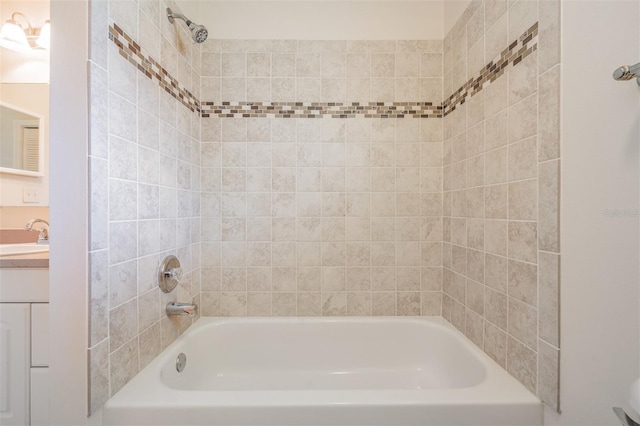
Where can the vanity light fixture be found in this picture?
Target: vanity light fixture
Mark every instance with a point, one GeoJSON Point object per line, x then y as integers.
{"type": "Point", "coordinates": [14, 37]}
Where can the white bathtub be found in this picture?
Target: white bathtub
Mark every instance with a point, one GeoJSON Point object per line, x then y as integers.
{"type": "Point", "coordinates": [323, 371]}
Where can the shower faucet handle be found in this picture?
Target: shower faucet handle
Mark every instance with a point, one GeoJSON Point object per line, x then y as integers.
{"type": "Point", "coordinates": [174, 274]}
{"type": "Point", "coordinates": [169, 273]}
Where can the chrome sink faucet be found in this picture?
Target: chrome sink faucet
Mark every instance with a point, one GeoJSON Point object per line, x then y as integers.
{"type": "Point", "coordinates": [43, 237]}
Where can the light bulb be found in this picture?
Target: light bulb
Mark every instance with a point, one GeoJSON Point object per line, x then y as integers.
{"type": "Point", "coordinates": [44, 39]}
{"type": "Point", "coordinates": [12, 37]}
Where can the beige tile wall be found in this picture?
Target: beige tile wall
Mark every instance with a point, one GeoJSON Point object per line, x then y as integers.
{"type": "Point", "coordinates": [501, 192]}
{"type": "Point", "coordinates": [321, 216]}
{"type": "Point", "coordinates": [144, 167]}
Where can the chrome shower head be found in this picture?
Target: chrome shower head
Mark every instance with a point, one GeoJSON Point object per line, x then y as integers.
{"type": "Point", "coordinates": [199, 33]}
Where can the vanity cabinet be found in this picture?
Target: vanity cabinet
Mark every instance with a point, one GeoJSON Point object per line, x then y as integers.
{"type": "Point", "coordinates": [24, 347]}
{"type": "Point", "coordinates": [14, 363]}
{"type": "Point", "coordinates": [39, 371]}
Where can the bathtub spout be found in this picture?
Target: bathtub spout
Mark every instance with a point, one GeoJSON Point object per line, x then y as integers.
{"type": "Point", "coordinates": [175, 308]}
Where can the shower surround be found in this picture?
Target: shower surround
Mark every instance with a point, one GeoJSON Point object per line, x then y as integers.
{"type": "Point", "coordinates": [307, 178]}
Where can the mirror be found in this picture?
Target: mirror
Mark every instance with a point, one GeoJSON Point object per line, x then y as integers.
{"type": "Point", "coordinates": [21, 141]}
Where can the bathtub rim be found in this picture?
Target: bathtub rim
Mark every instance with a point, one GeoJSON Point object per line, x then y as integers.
{"type": "Point", "coordinates": [146, 389]}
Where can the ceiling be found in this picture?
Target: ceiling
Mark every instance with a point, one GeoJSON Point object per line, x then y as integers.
{"type": "Point", "coordinates": [326, 19]}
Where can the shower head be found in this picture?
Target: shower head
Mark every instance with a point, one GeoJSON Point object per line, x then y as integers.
{"type": "Point", "coordinates": [199, 33]}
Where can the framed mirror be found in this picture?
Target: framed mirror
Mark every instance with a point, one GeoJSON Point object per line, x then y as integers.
{"type": "Point", "coordinates": [21, 141]}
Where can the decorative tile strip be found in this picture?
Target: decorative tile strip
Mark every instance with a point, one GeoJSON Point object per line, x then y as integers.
{"type": "Point", "coordinates": [131, 51]}
{"type": "Point", "coordinates": [321, 110]}
{"type": "Point", "coordinates": [526, 44]}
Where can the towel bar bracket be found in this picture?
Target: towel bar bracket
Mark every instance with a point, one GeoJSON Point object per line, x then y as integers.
{"type": "Point", "coordinates": [627, 72]}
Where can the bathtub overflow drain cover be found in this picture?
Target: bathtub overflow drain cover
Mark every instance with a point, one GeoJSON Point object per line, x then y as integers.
{"type": "Point", "coordinates": [181, 362]}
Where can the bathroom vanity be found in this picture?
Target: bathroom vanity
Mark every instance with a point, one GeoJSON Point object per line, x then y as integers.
{"type": "Point", "coordinates": [24, 339]}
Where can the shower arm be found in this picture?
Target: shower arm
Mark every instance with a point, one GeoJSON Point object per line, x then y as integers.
{"type": "Point", "coordinates": [173, 16]}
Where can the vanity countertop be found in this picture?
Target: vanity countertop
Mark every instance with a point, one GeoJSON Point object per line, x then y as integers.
{"type": "Point", "coordinates": [34, 260]}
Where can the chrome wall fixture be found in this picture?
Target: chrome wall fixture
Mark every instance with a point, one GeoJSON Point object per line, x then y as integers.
{"type": "Point", "coordinates": [169, 276]}
{"type": "Point", "coordinates": [627, 72]}
{"type": "Point", "coordinates": [181, 362]}
{"type": "Point", "coordinates": [169, 273]}
{"type": "Point", "coordinates": [14, 37]}
{"type": "Point", "coordinates": [177, 308]}
{"type": "Point", "coordinates": [199, 33]}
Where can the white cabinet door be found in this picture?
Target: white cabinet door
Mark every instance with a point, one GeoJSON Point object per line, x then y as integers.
{"type": "Point", "coordinates": [39, 334]}
{"type": "Point", "coordinates": [39, 396]}
{"type": "Point", "coordinates": [14, 364]}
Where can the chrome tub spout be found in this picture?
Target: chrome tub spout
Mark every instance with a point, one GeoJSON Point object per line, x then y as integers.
{"type": "Point", "coordinates": [175, 308]}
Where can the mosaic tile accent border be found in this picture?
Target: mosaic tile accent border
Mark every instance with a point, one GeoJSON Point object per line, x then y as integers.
{"type": "Point", "coordinates": [131, 51]}
{"type": "Point", "coordinates": [525, 45]}
{"type": "Point", "coordinates": [519, 49]}
{"type": "Point", "coordinates": [320, 110]}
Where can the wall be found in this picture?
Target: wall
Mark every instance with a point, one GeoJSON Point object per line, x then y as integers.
{"type": "Point", "coordinates": [33, 98]}
{"type": "Point", "coordinates": [334, 215]}
{"type": "Point", "coordinates": [501, 186]}
{"type": "Point", "coordinates": [600, 290]}
{"type": "Point", "coordinates": [452, 11]}
{"type": "Point", "coordinates": [144, 178]}
{"type": "Point", "coordinates": [17, 217]}
{"type": "Point", "coordinates": [69, 194]}
{"type": "Point", "coordinates": [20, 67]}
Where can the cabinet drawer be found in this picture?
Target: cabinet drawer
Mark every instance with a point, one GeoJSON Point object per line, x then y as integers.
{"type": "Point", "coordinates": [20, 285]}
{"type": "Point", "coordinates": [39, 334]}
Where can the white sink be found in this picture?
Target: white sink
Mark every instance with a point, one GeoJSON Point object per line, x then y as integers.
{"type": "Point", "coordinates": [26, 248]}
